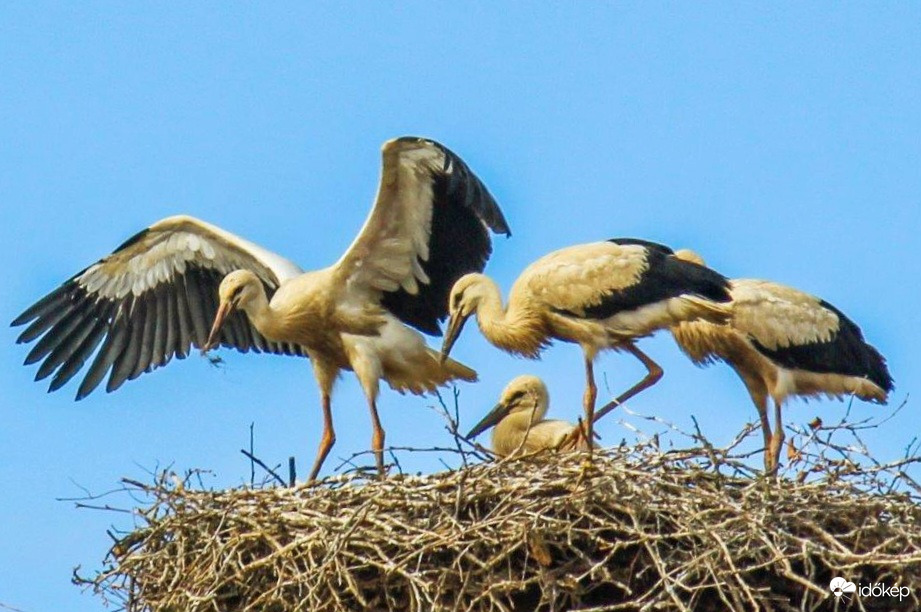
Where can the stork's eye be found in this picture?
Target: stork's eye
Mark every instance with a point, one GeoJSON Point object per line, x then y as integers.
{"type": "Point", "coordinates": [455, 301]}
{"type": "Point", "coordinates": [517, 395]}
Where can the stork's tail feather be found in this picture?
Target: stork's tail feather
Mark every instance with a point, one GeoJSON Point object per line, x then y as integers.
{"type": "Point", "coordinates": [878, 371]}
{"type": "Point", "coordinates": [870, 390]}
{"type": "Point", "coordinates": [457, 370]}
{"type": "Point", "coordinates": [428, 373]}
{"type": "Point", "coordinates": [847, 354]}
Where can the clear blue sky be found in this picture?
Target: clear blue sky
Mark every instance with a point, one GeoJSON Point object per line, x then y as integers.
{"type": "Point", "coordinates": [781, 141]}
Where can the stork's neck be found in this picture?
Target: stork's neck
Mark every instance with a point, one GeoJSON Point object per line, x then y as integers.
{"type": "Point", "coordinates": [261, 314]}
{"type": "Point", "coordinates": [514, 328]}
{"type": "Point", "coordinates": [515, 424]}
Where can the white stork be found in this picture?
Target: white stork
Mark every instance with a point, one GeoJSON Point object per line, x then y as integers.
{"type": "Point", "coordinates": [519, 420]}
{"type": "Point", "coordinates": [155, 295]}
{"type": "Point", "coordinates": [601, 295]}
{"type": "Point", "coordinates": [783, 342]}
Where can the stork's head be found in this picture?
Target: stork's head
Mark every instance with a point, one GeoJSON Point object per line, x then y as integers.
{"type": "Point", "coordinates": [525, 394]}
{"type": "Point", "coordinates": [690, 256]}
{"type": "Point", "coordinates": [407, 143]}
{"type": "Point", "coordinates": [463, 301]}
{"type": "Point", "coordinates": [238, 290]}
{"type": "Point", "coordinates": [410, 153]}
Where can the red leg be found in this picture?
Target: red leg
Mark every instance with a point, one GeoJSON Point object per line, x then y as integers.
{"type": "Point", "coordinates": [653, 375]}
{"type": "Point", "coordinates": [588, 402]}
{"type": "Point", "coordinates": [761, 405]}
{"type": "Point", "coordinates": [326, 441]}
{"type": "Point", "coordinates": [776, 440]}
{"type": "Point", "coordinates": [377, 439]}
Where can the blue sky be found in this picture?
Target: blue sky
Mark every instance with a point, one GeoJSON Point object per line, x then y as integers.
{"type": "Point", "coordinates": [781, 141]}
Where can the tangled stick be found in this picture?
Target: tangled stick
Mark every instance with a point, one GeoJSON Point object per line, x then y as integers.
{"type": "Point", "coordinates": [682, 529]}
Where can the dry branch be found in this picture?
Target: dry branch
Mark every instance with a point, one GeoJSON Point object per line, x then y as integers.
{"type": "Point", "coordinates": [647, 529]}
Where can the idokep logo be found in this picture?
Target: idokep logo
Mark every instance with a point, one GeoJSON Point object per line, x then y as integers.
{"type": "Point", "coordinates": [841, 587]}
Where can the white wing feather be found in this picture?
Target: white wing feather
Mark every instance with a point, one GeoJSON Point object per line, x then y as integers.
{"type": "Point", "coordinates": [386, 253]}
{"type": "Point", "coordinates": [168, 246]}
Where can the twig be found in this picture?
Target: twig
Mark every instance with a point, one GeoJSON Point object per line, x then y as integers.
{"type": "Point", "coordinates": [269, 470]}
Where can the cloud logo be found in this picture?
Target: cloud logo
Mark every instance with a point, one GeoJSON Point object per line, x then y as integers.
{"type": "Point", "coordinates": [839, 586]}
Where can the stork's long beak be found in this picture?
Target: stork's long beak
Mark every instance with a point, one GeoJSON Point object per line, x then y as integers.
{"type": "Point", "coordinates": [455, 325]}
{"type": "Point", "coordinates": [494, 416]}
{"type": "Point", "coordinates": [225, 309]}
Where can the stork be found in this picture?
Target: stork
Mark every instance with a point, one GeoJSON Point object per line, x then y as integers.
{"type": "Point", "coordinates": [519, 420]}
{"type": "Point", "coordinates": [152, 298]}
{"type": "Point", "coordinates": [600, 295]}
{"type": "Point", "coordinates": [783, 342]}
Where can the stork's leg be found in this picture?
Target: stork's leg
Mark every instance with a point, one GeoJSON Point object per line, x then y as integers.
{"type": "Point", "coordinates": [377, 438]}
{"type": "Point", "coordinates": [326, 441]}
{"type": "Point", "coordinates": [653, 375]}
{"type": "Point", "coordinates": [761, 404]}
{"type": "Point", "coordinates": [368, 368]}
{"type": "Point", "coordinates": [776, 440]}
{"type": "Point", "coordinates": [588, 401]}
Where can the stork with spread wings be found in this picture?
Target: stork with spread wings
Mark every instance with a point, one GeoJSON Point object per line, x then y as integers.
{"type": "Point", "coordinates": [154, 296]}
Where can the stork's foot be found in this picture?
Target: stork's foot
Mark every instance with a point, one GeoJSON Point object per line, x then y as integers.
{"type": "Point", "coordinates": [588, 469]}
{"type": "Point", "coordinates": [381, 468]}
{"type": "Point", "coordinates": [772, 454]}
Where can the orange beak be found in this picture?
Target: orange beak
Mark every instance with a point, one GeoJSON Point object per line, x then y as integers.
{"type": "Point", "coordinates": [225, 309]}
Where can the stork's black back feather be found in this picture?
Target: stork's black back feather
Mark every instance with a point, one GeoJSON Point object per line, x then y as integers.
{"type": "Point", "coordinates": [652, 246]}
{"type": "Point", "coordinates": [463, 213]}
{"type": "Point", "coordinates": [846, 353]}
{"type": "Point", "coordinates": [665, 277]}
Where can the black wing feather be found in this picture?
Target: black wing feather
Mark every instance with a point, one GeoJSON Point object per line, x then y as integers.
{"type": "Point", "coordinates": [112, 347]}
{"type": "Point", "coordinates": [65, 347]}
{"type": "Point", "coordinates": [845, 353]}
{"type": "Point", "coordinates": [192, 281]}
{"type": "Point", "coordinates": [652, 246]}
{"type": "Point", "coordinates": [172, 329]}
{"type": "Point", "coordinates": [147, 335]}
{"type": "Point", "coordinates": [185, 323]}
{"type": "Point", "coordinates": [124, 363]}
{"type": "Point", "coordinates": [137, 333]}
{"type": "Point", "coordinates": [79, 356]}
{"type": "Point", "coordinates": [158, 355]}
{"type": "Point", "coordinates": [48, 305]}
{"type": "Point", "coordinates": [666, 277]}
{"type": "Point", "coordinates": [463, 213]}
{"type": "Point", "coordinates": [59, 333]}
{"type": "Point", "coordinates": [41, 324]}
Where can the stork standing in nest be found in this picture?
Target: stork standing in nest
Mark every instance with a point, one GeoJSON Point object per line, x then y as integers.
{"type": "Point", "coordinates": [783, 342]}
{"type": "Point", "coordinates": [601, 295]}
{"type": "Point", "coordinates": [153, 298]}
{"type": "Point", "coordinates": [520, 424]}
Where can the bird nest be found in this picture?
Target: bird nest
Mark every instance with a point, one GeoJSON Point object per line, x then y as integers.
{"type": "Point", "coordinates": [646, 528]}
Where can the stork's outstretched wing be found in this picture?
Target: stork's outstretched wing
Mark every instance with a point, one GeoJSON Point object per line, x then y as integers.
{"type": "Point", "coordinates": [428, 227]}
{"type": "Point", "coordinates": [152, 298]}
